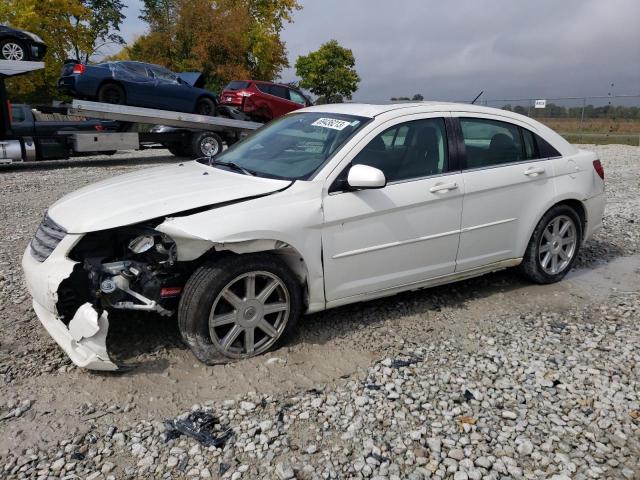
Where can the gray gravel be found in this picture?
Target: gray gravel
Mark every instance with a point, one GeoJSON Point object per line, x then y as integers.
{"type": "Point", "coordinates": [487, 378]}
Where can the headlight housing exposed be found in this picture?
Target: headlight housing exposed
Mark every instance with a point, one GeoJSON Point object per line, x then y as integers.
{"type": "Point", "coordinates": [142, 243]}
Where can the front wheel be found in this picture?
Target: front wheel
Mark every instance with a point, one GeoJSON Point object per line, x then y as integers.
{"type": "Point", "coordinates": [554, 245]}
{"type": "Point", "coordinates": [12, 50]}
{"type": "Point", "coordinates": [239, 307]}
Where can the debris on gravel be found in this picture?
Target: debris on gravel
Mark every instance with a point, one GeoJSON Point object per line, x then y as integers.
{"type": "Point", "coordinates": [489, 378]}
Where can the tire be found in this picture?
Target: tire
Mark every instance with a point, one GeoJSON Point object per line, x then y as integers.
{"type": "Point", "coordinates": [206, 106]}
{"type": "Point", "coordinates": [111, 93]}
{"type": "Point", "coordinates": [231, 139]}
{"type": "Point", "coordinates": [12, 50]}
{"type": "Point", "coordinates": [178, 150]}
{"type": "Point", "coordinates": [203, 299]}
{"type": "Point", "coordinates": [206, 144]}
{"type": "Point", "coordinates": [548, 245]}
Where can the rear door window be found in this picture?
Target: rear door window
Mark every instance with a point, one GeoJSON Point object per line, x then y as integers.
{"type": "Point", "coordinates": [137, 69]}
{"type": "Point", "coordinates": [530, 147]}
{"type": "Point", "coordinates": [280, 91]}
{"type": "Point", "coordinates": [165, 75]}
{"type": "Point", "coordinates": [490, 142]}
{"type": "Point", "coordinates": [297, 97]}
{"type": "Point", "coordinates": [264, 88]}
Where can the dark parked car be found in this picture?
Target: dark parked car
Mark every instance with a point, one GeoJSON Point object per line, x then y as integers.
{"type": "Point", "coordinates": [20, 45]}
{"type": "Point", "coordinates": [138, 84]}
{"type": "Point", "coordinates": [264, 101]}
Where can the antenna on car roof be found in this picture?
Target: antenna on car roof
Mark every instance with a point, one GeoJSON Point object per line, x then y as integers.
{"type": "Point", "coordinates": [474, 100]}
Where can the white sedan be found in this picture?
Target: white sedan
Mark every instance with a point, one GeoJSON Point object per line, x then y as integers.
{"type": "Point", "coordinates": [326, 206]}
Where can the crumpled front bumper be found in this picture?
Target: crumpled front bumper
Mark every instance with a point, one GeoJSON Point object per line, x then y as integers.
{"type": "Point", "coordinates": [84, 338]}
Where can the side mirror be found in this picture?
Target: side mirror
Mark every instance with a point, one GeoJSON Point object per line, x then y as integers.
{"type": "Point", "coordinates": [364, 176]}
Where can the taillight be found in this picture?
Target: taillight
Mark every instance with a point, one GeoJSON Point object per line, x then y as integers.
{"type": "Point", "coordinates": [78, 68]}
{"type": "Point", "coordinates": [597, 166]}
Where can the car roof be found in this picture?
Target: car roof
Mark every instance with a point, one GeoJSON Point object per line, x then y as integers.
{"type": "Point", "coordinates": [398, 109]}
{"type": "Point", "coordinates": [373, 110]}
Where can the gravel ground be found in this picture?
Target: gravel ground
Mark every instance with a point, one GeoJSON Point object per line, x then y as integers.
{"type": "Point", "coordinates": [487, 378]}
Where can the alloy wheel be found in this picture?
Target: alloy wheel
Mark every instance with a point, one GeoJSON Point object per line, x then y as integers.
{"type": "Point", "coordinates": [249, 314]}
{"type": "Point", "coordinates": [209, 146]}
{"type": "Point", "coordinates": [12, 51]}
{"type": "Point", "coordinates": [558, 245]}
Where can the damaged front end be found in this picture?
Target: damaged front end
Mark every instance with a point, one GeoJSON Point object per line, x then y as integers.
{"type": "Point", "coordinates": [130, 268]}
{"type": "Point", "coordinates": [127, 268]}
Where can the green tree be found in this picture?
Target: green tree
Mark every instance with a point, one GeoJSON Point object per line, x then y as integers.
{"type": "Point", "coordinates": [418, 97]}
{"type": "Point", "coordinates": [329, 72]}
{"type": "Point", "coordinates": [99, 30]}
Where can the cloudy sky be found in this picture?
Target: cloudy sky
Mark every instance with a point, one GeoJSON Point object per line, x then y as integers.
{"type": "Point", "coordinates": [454, 49]}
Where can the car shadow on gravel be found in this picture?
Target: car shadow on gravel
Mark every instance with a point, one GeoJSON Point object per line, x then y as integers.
{"type": "Point", "coordinates": [143, 341]}
{"type": "Point", "coordinates": [140, 342]}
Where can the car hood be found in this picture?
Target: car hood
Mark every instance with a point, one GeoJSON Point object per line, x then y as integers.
{"type": "Point", "coordinates": [195, 79]}
{"type": "Point", "coordinates": [155, 192]}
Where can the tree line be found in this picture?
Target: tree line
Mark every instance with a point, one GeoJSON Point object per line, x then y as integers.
{"type": "Point", "coordinates": [223, 39]}
{"type": "Point", "coordinates": [590, 111]}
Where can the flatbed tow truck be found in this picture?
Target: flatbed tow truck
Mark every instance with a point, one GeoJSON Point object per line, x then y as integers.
{"type": "Point", "coordinates": [188, 134]}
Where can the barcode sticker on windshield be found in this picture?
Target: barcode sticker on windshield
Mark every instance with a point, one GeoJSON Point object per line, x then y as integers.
{"type": "Point", "coordinates": [333, 123]}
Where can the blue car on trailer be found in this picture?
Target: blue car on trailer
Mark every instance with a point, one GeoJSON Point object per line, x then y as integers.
{"type": "Point", "coordinates": [138, 84]}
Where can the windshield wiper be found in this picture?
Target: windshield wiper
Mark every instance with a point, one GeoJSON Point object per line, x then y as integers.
{"type": "Point", "coordinates": [233, 166]}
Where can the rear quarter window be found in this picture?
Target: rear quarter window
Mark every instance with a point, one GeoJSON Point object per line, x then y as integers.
{"type": "Point", "coordinates": [545, 149]}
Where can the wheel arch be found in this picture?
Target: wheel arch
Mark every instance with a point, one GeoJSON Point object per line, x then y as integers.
{"type": "Point", "coordinates": [287, 253]}
{"type": "Point", "coordinates": [570, 201]}
{"type": "Point", "coordinates": [200, 249]}
{"type": "Point", "coordinates": [111, 81]}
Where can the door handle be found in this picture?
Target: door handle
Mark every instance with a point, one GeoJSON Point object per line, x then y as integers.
{"type": "Point", "coordinates": [443, 187]}
{"type": "Point", "coordinates": [534, 171]}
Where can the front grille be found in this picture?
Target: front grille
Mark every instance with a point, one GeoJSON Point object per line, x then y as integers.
{"type": "Point", "coordinates": [46, 239]}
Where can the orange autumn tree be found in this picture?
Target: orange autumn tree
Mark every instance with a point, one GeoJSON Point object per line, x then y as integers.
{"type": "Point", "coordinates": [224, 39]}
{"type": "Point", "coordinates": [52, 21]}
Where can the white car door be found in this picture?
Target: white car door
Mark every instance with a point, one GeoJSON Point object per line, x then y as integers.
{"type": "Point", "coordinates": [402, 234]}
{"type": "Point", "coordinates": [506, 186]}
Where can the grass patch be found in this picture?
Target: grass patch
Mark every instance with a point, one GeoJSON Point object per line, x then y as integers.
{"type": "Point", "coordinates": [599, 131]}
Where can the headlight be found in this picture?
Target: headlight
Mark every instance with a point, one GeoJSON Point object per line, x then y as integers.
{"type": "Point", "coordinates": [142, 243]}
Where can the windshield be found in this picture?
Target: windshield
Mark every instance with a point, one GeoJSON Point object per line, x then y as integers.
{"type": "Point", "coordinates": [294, 146]}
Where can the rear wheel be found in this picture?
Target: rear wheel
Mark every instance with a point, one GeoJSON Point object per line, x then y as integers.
{"type": "Point", "coordinates": [206, 106]}
{"type": "Point", "coordinates": [206, 144]}
{"type": "Point", "coordinates": [239, 307]}
{"type": "Point", "coordinates": [111, 93]}
{"type": "Point", "coordinates": [12, 50]}
{"type": "Point", "coordinates": [554, 246]}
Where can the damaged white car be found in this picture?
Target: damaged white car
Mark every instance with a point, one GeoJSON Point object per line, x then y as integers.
{"type": "Point", "coordinates": [326, 206]}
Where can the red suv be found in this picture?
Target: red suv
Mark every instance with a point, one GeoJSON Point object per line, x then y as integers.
{"type": "Point", "coordinates": [263, 101]}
